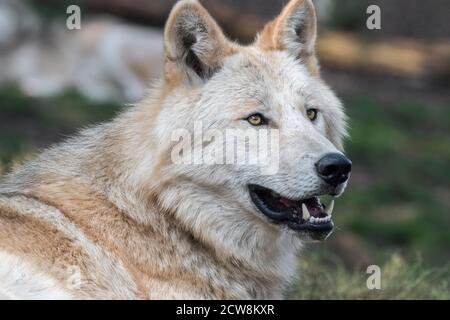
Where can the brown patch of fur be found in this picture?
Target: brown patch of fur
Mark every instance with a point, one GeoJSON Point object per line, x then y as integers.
{"type": "Point", "coordinates": [144, 251]}
{"type": "Point", "coordinates": [38, 241]}
{"type": "Point", "coordinates": [99, 220]}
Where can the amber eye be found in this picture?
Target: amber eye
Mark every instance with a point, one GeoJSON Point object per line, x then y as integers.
{"type": "Point", "coordinates": [312, 114]}
{"type": "Point", "coordinates": [257, 119]}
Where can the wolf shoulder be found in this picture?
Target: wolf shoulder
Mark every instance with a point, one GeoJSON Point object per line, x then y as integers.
{"type": "Point", "coordinates": [19, 277]}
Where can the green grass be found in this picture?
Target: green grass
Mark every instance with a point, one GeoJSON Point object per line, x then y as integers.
{"type": "Point", "coordinates": [397, 203]}
{"type": "Point", "coordinates": [321, 279]}
{"type": "Point", "coordinates": [401, 154]}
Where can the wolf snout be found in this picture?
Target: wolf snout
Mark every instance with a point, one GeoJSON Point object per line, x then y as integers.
{"type": "Point", "coordinates": [334, 168]}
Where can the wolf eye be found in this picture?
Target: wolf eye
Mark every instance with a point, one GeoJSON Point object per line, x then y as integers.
{"type": "Point", "coordinates": [257, 119]}
{"type": "Point", "coordinates": [312, 114]}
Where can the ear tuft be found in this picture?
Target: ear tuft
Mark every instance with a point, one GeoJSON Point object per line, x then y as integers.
{"type": "Point", "coordinates": [299, 30]}
{"type": "Point", "coordinates": [194, 43]}
{"type": "Point", "coordinates": [294, 31]}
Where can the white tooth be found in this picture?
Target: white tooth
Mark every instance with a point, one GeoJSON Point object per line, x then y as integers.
{"type": "Point", "coordinates": [305, 212]}
{"type": "Point", "coordinates": [329, 209]}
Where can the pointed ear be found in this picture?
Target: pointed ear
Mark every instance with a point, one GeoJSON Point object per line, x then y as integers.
{"type": "Point", "coordinates": [194, 44]}
{"type": "Point", "coordinates": [295, 31]}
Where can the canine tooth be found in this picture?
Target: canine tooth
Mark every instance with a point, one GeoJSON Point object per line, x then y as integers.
{"type": "Point", "coordinates": [305, 212]}
{"type": "Point", "coordinates": [329, 209]}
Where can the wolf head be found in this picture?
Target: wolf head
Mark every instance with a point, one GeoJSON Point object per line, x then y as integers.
{"type": "Point", "coordinates": [213, 86]}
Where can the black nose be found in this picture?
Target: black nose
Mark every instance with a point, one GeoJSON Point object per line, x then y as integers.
{"type": "Point", "coordinates": [334, 168]}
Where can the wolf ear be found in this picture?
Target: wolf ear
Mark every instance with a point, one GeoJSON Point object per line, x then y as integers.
{"type": "Point", "coordinates": [194, 43]}
{"type": "Point", "coordinates": [295, 31]}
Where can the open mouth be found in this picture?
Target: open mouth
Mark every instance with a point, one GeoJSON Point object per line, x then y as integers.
{"type": "Point", "coordinates": [308, 215]}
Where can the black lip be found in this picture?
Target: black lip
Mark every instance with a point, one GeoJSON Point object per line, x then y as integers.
{"type": "Point", "coordinates": [307, 226]}
{"type": "Point", "coordinates": [264, 208]}
{"type": "Point", "coordinates": [258, 194]}
{"type": "Point", "coordinates": [316, 232]}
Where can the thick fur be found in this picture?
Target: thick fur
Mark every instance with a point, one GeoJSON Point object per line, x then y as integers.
{"type": "Point", "coordinates": [110, 204]}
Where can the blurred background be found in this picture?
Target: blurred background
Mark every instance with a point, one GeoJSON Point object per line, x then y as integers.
{"type": "Point", "coordinates": [394, 83]}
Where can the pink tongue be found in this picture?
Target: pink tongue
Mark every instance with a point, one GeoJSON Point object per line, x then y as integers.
{"type": "Point", "coordinates": [315, 208]}
{"type": "Point", "coordinates": [288, 203]}
{"type": "Point", "coordinates": [313, 204]}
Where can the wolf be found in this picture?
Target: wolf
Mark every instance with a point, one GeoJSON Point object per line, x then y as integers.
{"type": "Point", "coordinates": [44, 59]}
{"type": "Point", "coordinates": [107, 214]}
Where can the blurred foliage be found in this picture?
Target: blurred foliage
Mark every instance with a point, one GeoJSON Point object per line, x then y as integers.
{"type": "Point", "coordinates": [322, 278]}
{"type": "Point", "coordinates": [68, 110]}
{"type": "Point", "coordinates": [401, 194]}
{"type": "Point", "coordinates": [52, 9]}
{"type": "Point", "coordinates": [346, 15]}
{"type": "Point", "coordinates": [27, 124]}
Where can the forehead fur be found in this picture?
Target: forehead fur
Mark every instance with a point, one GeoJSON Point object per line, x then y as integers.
{"type": "Point", "coordinates": [278, 80]}
{"type": "Point", "coordinates": [271, 70]}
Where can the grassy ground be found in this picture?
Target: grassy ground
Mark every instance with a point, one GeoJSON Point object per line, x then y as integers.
{"type": "Point", "coordinates": [322, 277]}
{"type": "Point", "coordinates": [396, 208]}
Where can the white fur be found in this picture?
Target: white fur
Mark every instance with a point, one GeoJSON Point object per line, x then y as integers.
{"type": "Point", "coordinates": [19, 280]}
